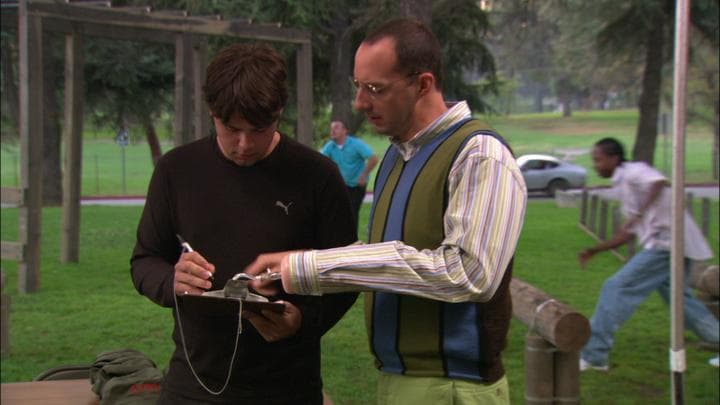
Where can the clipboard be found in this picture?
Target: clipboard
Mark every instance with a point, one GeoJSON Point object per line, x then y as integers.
{"type": "Point", "coordinates": [254, 302]}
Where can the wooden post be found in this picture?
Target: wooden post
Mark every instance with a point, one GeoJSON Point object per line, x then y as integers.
{"type": "Point", "coordinates": [556, 322]}
{"type": "Point", "coordinates": [592, 225]}
{"type": "Point", "coordinates": [603, 223]}
{"type": "Point", "coordinates": [583, 207]}
{"type": "Point", "coordinates": [705, 278]}
{"type": "Point", "coordinates": [200, 111]}
{"type": "Point", "coordinates": [616, 221]}
{"type": "Point", "coordinates": [539, 370]}
{"type": "Point", "coordinates": [30, 73]}
{"type": "Point", "coordinates": [72, 134]}
{"type": "Point", "coordinates": [705, 220]}
{"type": "Point", "coordinates": [183, 88]}
{"type": "Point", "coordinates": [631, 248]}
{"type": "Point", "coordinates": [689, 197]}
{"type": "Point", "coordinates": [710, 302]}
{"type": "Point", "coordinates": [4, 318]}
{"type": "Point", "coordinates": [567, 377]}
{"type": "Point", "coordinates": [304, 94]}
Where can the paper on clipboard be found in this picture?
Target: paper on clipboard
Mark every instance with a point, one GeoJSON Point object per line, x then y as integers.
{"type": "Point", "coordinates": [253, 302]}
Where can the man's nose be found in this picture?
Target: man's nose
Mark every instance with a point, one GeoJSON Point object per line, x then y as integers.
{"type": "Point", "coordinates": [362, 100]}
{"type": "Point", "coordinates": [244, 140]}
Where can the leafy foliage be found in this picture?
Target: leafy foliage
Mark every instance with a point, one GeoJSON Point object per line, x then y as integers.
{"type": "Point", "coordinates": [468, 63]}
{"type": "Point", "coordinates": [127, 81]}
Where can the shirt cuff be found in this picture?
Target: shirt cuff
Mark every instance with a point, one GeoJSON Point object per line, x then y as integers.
{"type": "Point", "coordinates": [303, 273]}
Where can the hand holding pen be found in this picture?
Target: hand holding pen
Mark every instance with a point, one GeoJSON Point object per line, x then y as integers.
{"type": "Point", "coordinates": [193, 274]}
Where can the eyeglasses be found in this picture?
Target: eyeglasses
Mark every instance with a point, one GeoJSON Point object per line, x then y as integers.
{"type": "Point", "coordinates": [376, 91]}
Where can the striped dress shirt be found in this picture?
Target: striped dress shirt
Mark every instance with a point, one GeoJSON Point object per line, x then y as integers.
{"type": "Point", "coordinates": [485, 213]}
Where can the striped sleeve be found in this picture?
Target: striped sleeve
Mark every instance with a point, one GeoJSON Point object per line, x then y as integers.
{"type": "Point", "coordinates": [485, 214]}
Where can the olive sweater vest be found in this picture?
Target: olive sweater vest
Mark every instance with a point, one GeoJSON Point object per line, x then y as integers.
{"type": "Point", "coordinates": [417, 336]}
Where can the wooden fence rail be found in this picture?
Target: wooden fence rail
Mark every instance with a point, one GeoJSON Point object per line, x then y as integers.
{"type": "Point", "coordinates": [556, 333]}
{"type": "Point", "coordinates": [598, 214]}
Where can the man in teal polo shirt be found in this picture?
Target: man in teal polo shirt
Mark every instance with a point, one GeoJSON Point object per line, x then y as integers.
{"type": "Point", "coordinates": [355, 160]}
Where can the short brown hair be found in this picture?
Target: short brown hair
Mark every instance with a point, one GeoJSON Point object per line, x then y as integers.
{"type": "Point", "coordinates": [249, 80]}
{"type": "Point", "coordinates": [417, 48]}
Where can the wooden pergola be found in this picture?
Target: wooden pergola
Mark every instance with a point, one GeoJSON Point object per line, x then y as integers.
{"type": "Point", "coordinates": [76, 20]}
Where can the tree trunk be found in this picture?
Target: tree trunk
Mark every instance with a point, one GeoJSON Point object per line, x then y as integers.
{"type": "Point", "coordinates": [715, 148]}
{"type": "Point", "coordinates": [649, 105]}
{"type": "Point", "coordinates": [52, 171]}
{"type": "Point", "coordinates": [9, 88]}
{"type": "Point", "coordinates": [566, 104]}
{"type": "Point", "coordinates": [341, 69]}
{"type": "Point", "coordinates": [538, 97]}
{"type": "Point", "coordinates": [152, 139]}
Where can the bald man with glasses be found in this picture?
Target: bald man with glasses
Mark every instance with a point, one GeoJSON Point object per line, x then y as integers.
{"type": "Point", "coordinates": [448, 207]}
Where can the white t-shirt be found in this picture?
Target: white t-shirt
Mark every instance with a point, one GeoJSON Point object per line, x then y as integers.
{"type": "Point", "coordinates": [631, 183]}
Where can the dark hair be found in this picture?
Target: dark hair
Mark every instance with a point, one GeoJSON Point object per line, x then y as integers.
{"type": "Point", "coordinates": [249, 80]}
{"type": "Point", "coordinates": [417, 48]}
{"type": "Point", "coordinates": [611, 147]}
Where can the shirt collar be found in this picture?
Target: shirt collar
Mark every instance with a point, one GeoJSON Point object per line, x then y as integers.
{"type": "Point", "coordinates": [618, 173]}
{"type": "Point", "coordinates": [456, 112]}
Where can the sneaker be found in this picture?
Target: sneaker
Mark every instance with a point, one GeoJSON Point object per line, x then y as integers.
{"type": "Point", "coordinates": [715, 361]}
{"type": "Point", "coordinates": [584, 365]}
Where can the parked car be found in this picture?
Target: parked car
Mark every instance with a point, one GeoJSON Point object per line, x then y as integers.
{"type": "Point", "coordinates": [549, 174]}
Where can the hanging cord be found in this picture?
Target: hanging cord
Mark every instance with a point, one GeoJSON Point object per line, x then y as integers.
{"type": "Point", "coordinates": [184, 345]}
{"type": "Point", "coordinates": [531, 327]}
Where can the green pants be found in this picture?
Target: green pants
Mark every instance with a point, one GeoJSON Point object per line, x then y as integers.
{"type": "Point", "coordinates": [394, 389]}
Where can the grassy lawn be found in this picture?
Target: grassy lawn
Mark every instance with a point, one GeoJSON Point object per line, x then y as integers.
{"type": "Point", "coordinates": [533, 133]}
{"type": "Point", "coordinates": [85, 308]}
{"type": "Point", "coordinates": [88, 307]}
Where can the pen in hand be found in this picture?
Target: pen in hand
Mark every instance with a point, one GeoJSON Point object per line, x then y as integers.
{"type": "Point", "coordinates": [186, 248]}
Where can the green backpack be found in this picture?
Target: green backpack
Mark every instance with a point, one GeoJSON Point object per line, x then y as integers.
{"type": "Point", "coordinates": [125, 377]}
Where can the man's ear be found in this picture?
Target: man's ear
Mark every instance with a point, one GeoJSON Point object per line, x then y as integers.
{"type": "Point", "coordinates": [426, 82]}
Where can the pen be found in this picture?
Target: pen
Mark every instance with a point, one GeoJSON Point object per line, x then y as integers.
{"type": "Point", "coordinates": [186, 248]}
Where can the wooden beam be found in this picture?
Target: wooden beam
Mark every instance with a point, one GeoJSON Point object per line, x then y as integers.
{"type": "Point", "coordinates": [11, 196]}
{"type": "Point", "coordinates": [4, 318]}
{"type": "Point", "coordinates": [183, 89]}
{"type": "Point", "coordinates": [72, 137]}
{"type": "Point", "coordinates": [64, 26]}
{"type": "Point", "coordinates": [200, 111]}
{"type": "Point", "coordinates": [159, 21]}
{"type": "Point", "coordinates": [567, 378]}
{"type": "Point", "coordinates": [304, 94]}
{"type": "Point", "coordinates": [30, 66]}
{"type": "Point", "coordinates": [705, 278]}
{"type": "Point", "coordinates": [11, 250]}
{"type": "Point", "coordinates": [556, 322]}
{"type": "Point", "coordinates": [539, 370]}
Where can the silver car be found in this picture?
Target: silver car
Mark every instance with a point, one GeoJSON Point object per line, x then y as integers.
{"type": "Point", "coordinates": [549, 174]}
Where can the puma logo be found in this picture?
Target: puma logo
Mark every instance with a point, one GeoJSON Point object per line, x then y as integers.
{"type": "Point", "coordinates": [283, 206]}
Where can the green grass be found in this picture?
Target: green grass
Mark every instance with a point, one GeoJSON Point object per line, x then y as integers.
{"type": "Point", "coordinates": [527, 133]}
{"type": "Point", "coordinates": [88, 307]}
{"type": "Point", "coordinates": [551, 133]}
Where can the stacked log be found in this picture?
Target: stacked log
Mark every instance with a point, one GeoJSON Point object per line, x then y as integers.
{"type": "Point", "coordinates": [552, 347]}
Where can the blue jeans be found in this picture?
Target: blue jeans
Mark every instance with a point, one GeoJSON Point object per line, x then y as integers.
{"type": "Point", "coordinates": [645, 272]}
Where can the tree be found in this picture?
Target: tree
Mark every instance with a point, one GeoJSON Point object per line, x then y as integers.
{"type": "Point", "coordinates": [10, 103]}
{"type": "Point", "coordinates": [646, 26]}
{"type": "Point", "coordinates": [469, 66]}
{"type": "Point", "coordinates": [523, 41]}
{"type": "Point", "coordinates": [129, 83]}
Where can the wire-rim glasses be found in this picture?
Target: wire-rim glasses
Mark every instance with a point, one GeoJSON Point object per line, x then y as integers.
{"type": "Point", "coordinates": [377, 90]}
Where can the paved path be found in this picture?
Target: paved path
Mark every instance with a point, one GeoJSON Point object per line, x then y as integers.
{"type": "Point", "coordinates": [698, 192]}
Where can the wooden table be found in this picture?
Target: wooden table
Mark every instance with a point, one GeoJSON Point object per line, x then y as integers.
{"type": "Point", "coordinates": [60, 392]}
